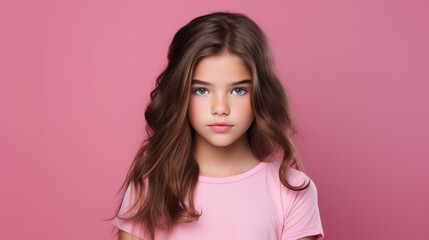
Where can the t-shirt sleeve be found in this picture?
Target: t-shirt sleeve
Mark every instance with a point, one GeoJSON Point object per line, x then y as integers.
{"type": "Point", "coordinates": [127, 203]}
{"type": "Point", "coordinates": [301, 217]}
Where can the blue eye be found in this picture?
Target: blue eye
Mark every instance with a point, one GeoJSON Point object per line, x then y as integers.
{"type": "Point", "coordinates": [242, 90]}
{"type": "Point", "coordinates": [198, 90]}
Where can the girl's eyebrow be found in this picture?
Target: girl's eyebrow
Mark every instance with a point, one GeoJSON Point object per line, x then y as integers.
{"type": "Point", "coordinates": [196, 81]}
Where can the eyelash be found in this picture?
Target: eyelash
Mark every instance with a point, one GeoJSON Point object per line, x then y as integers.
{"type": "Point", "coordinates": [196, 89]}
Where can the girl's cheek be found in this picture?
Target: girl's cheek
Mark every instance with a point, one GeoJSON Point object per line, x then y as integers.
{"type": "Point", "coordinates": [244, 110]}
{"type": "Point", "coordinates": [243, 105]}
{"type": "Point", "coordinates": [196, 107]}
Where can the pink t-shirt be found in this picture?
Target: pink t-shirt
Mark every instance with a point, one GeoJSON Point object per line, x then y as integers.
{"type": "Point", "coordinates": [253, 205]}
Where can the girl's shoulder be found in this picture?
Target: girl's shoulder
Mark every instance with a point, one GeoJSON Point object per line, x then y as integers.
{"type": "Point", "coordinates": [293, 176]}
{"type": "Point", "coordinates": [129, 200]}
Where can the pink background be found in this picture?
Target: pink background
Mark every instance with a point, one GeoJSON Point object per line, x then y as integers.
{"type": "Point", "coordinates": [76, 76]}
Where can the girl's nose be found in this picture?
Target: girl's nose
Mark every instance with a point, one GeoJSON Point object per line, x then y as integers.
{"type": "Point", "coordinates": [220, 105]}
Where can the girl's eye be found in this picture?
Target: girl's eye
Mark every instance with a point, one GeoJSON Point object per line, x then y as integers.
{"type": "Point", "coordinates": [242, 90]}
{"type": "Point", "coordinates": [197, 91]}
{"type": "Point", "coordinates": [200, 91]}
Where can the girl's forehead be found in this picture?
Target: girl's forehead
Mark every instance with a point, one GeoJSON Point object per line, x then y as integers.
{"type": "Point", "coordinates": [232, 84]}
{"type": "Point", "coordinates": [221, 60]}
{"type": "Point", "coordinates": [223, 69]}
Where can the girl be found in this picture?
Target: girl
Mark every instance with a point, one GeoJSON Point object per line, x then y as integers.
{"type": "Point", "coordinates": [216, 118]}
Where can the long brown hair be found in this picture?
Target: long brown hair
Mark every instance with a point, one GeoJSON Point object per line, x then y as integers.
{"type": "Point", "coordinates": [164, 173]}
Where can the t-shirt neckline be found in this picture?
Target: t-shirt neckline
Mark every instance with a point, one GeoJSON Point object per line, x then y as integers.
{"type": "Point", "coordinates": [241, 176]}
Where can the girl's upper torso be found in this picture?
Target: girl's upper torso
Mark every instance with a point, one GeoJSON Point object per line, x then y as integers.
{"type": "Point", "coordinates": [253, 205]}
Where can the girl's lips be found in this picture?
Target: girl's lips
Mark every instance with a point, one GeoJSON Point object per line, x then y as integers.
{"type": "Point", "coordinates": [220, 128]}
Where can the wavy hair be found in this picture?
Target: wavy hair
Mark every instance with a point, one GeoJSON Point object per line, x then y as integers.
{"type": "Point", "coordinates": [164, 173]}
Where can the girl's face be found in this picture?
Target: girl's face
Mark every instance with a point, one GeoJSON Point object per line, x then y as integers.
{"type": "Point", "coordinates": [220, 92]}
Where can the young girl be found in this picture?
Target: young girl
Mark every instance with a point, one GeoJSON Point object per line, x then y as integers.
{"type": "Point", "coordinates": [216, 118]}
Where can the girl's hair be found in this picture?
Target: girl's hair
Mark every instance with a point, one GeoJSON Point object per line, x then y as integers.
{"type": "Point", "coordinates": [164, 170]}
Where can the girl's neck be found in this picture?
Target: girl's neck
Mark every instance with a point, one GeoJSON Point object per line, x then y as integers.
{"type": "Point", "coordinates": [224, 161]}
